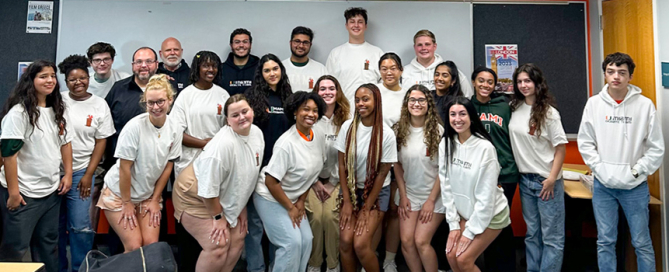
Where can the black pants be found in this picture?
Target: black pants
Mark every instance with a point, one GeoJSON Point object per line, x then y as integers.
{"type": "Point", "coordinates": [33, 226]}
{"type": "Point", "coordinates": [501, 254]}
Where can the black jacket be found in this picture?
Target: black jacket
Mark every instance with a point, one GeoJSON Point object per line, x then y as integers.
{"type": "Point", "coordinates": [123, 101]}
{"type": "Point", "coordinates": [234, 79]}
{"type": "Point", "coordinates": [181, 75]}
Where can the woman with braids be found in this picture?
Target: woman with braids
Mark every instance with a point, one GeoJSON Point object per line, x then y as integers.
{"type": "Point", "coordinates": [267, 97]}
{"type": "Point", "coordinates": [367, 148]}
{"type": "Point", "coordinates": [92, 122]}
{"type": "Point", "coordinates": [36, 136]}
{"type": "Point", "coordinates": [538, 141]}
{"type": "Point", "coordinates": [476, 209]}
{"type": "Point", "coordinates": [198, 110]}
{"type": "Point", "coordinates": [147, 147]}
{"type": "Point", "coordinates": [446, 87]}
{"type": "Point", "coordinates": [419, 203]}
{"type": "Point", "coordinates": [322, 199]}
{"type": "Point", "coordinates": [283, 185]}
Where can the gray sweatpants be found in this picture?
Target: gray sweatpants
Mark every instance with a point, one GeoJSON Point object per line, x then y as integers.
{"type": "Point", "coordinates": [33, 226]}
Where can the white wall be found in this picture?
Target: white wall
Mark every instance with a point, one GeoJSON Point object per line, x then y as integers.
{"type": "Point", "coordinates": [661, 38]}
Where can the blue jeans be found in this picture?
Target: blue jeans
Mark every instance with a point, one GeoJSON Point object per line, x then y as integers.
{"type": "Point", "coordinates": [75, 219]}
{"type": "Point", "coordinates": [544, 241]}
{"type": "Point", "coordinates": [255, 259]}
{"type": "Point", "coordinates": [293, 243]}
{"type": "Point", "coordinates": [635, 201]}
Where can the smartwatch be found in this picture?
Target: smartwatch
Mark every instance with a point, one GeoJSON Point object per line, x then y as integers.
{"type": "Point", "coordinates": [218, 216]}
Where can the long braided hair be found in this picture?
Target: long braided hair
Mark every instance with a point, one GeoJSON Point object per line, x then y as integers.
{"type": "Point", "coordinates": [374, 153]}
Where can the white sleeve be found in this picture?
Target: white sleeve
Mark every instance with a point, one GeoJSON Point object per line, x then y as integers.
{"type": "Point", "coordinates": [389, 147]}
{"type": "Point", "coordinates": [484, 193]}
{"type": "Point", "coordinates": [128, 142]}
{"type": "Point", "coordinates": [106, 127]}
{"type": "Point", "coordinates": [69, 136]}
{"type": "Point", "coordinates": [555, 130]}
{"type": "Point", "coordinates": [175, 150]}
{"type": "Point", "coordinates": [465, 85]}
{"type": "Point", "coordinates": [279, 163]}
{"type": "Point", "coordinates": [14, 125]}
{"type": "Point", "coordinates": [211, 175]}
{"type": "Point", "coordinates": [452, 217]}
{"type": "Point", "coordinates": [331, 65]}
{"type": "Point", "coordinates": [587, 139]}
{"type": "Point", "coordinates": [340, 144]}
{"type": "Point", "coordinates": [179, 114]}
{"type": "Point", "coordinates": [652, 157]}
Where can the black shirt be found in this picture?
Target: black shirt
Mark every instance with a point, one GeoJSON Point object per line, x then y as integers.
{"type": "Point", "coordinates": [274, 126]}
{"type": "Point", "coordinates": [235, 79]}
{"type": "Point", "coordinates": [123, 101]}
{"type": "Point", "coordinates": [441, 102]}
{"type": "Point", "coordinates": [181, 76]}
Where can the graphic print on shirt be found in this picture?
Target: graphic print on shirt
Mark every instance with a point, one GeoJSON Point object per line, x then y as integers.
{"type": "Point", "coordinates": [240, 83]}
{"type": "Point", "coordinates": [220, 108]}
{"type": "Point", "coordinates": [311, 83]}
{"type": "Point", "coordinates": [89, 120]}
{"type": "Point", "coordinates": [275, 110]}
{"type": "Point", "coordinates": [617, 119]}
{"type": "Point", "coordinates": [366, 64]}
{"type": "Point", "coordinates": [461, 163]}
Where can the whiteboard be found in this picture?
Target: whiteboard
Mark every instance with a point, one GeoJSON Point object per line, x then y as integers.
{"type": "Point", "coordinates": [206, 25]}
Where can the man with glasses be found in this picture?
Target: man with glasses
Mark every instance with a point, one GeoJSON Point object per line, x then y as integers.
{"type": "Point", "coordinates": [101, 56]}
{"type": "Point", "coordinates": [173, 65]}
{"type": "Point", "coordinates": [238, 70]}
{"type": "Point", "coordinates": [301, 70]}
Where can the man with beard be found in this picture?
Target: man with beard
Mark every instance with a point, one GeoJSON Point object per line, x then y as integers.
{"type": "Point", "coordinates": [101, 56]}
{"type": "Point", "coordinates": [301, 70]}
{"type": "Point", "coordinates": [238, 70]}
{"type": "Point", "coordinates": [173, 65]}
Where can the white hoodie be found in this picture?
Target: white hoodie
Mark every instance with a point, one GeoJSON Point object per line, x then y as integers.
{"type": "Point", "coordinates": [416, 73]}
{"type": "Point", "coordinates": [469, 185]}
{"type": "Point", "coordinates": [616, 138]}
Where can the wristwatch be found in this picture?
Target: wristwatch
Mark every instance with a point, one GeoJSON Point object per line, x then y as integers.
{"type": "Point", "coordinates": [218, 216]}
{"type": "Point", "coordinates": [635, 173]}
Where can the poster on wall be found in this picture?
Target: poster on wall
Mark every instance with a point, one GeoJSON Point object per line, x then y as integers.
{"type": "Point", "coordinates": [503, 59]}
{"type": "Point", "coordinates": [23, 66]}
{"type": "Point", "coordinates": [40, 17]}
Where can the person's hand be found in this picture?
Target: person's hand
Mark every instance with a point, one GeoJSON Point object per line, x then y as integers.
{"type": "Point", "coordinates": [243, 223]}
{"type": "Point", "coordinates": [453, 237]}
{"type": "Point", "coordinates": [345, 214]}
{"type": "Point", "coordinates": [361, 224]}
{"type": "Point", "coordinates": [404, 208]}
{"type": "Point", "coordinates": [295, 217]}
{"type": "Point", "coordinates": [84, 186]}
{"type": "Point", "coordinates": [426, 212]}
{"type": "Point", "coordinates": [328, 188]}
{"type": "Point", "coordinates": [153, 210]}
{"type": "Point", "coordinates": [206, 141]}
{"type": "Point", "coordinates": [128, 216]}
{"type": "Point", "coordinates": [547, 189]}
{"type": "Point", "coordinates": [15, 201]}
{"type": "Point", "coordinates": [319, 190]}
{"type": "Point", "coordinates": [463, 244]}
{"type": "Point", "coordinates": [220, 231]}
{"type": "Point", "coordinates": [299, 204]}
{"type": "Point", "coordinates": [65, 184]}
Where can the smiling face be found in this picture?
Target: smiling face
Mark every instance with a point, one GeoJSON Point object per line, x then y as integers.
{"type": "Point", "coordinates": [45, 81]}
{"type": "Point", "coordinates": [271, 72]}
{"type": "Point", "coordinates": [306, 115]}
{"type": "Point", "coordinates": [618, 77]}
{"type": "Point", "coordinates": [241, 45]}
{"type": "Point", "coordinates": [208, 71]}
{"type": "Point", "coordinates": [484, 84]}
{"type": "Point", "coordinates": [77, 82]}
{"type": "Point", "coordinates": [300, 45]}
{"type": "Point", "coordinates": [240, 117]}
{"type": "Point", "coordinates": [459, 119]}
{"type": "Point", "coordinates": [102, 63]}
{"type": "Point", "coordinates": [424, 47]}
{"type": "Point", "coordinates": [356, 26]}
{"type": "Point", "coordinates": [364, 102]}
{"type": "Point", "coordinates": [390, 72]}
{"type": "Point", "coordinates": [417, 104]}
{"type": "Point", "coordinates": [157, 103]}
{"type": "Point", "coordinates": [328, 91]}
{"type": "Point", "coordinates": [526, 85]}
{"type": "Point", "coordinates": [144, 65]}
{"type": "Point", "coordinates": [443, 79]}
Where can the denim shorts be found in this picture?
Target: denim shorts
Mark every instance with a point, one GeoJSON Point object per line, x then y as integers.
{"type": "Point", "coordinates": [384, 198]}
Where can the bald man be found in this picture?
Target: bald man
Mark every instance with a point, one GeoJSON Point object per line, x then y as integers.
{"type": "Point", "coordinates": [173, 65]}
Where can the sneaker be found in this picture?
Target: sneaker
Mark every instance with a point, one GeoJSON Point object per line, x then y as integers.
{"type": "Point", "coordinates": [335, 269]}
{"type": "Point", "coordinates": [389, 266]}
{"type": "Point", "coordinates": [313, 269]}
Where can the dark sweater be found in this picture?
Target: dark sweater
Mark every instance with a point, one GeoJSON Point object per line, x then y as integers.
{"type": "Point", "coordinates": [181, 76]}
{"type": "Point", "coordinates": [495, 116]}
{"type": "Point", "coordinates": [234, 79]}
{"type": "Point", "coordinates": [441, 102]}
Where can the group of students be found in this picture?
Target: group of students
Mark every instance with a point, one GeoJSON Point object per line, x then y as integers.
{"type": "Point", "coordinates": [316, 168]}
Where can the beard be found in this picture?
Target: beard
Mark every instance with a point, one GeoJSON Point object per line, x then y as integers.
{"type": "Point", "coordinates": [306, 52]}
{"type": "Point", "coordinates": [144, 77]}
{"type": "Point", "coordinates": [240, 56]}
{"type": "Point", "coordinates": [170, 63]}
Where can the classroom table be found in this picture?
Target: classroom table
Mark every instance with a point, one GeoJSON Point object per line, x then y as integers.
{"type": "Point", "coordinates": [22, 267]}
{"type": "Point", "coordinates": [576, 189]}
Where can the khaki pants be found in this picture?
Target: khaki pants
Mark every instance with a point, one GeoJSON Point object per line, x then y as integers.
{"type": "Point", "coordinates": [324, 222]}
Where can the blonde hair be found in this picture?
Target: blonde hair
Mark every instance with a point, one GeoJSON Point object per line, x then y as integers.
{"type": "Point", "coordinates": [424, 33]}
{"type": "Point", "coordinates": [159, 82]}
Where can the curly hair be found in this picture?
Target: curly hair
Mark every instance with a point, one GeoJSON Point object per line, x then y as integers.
{"type": "Point", "coordinates": [431, 132]}
{"type": "Point", "coordinates": [257, 95]}
{"type": "Point", "coordinates": [342, 107]}
{"type": "Point", "coordinates": [297, 99]}
{"type": "Point", "coordinates": [544, 98]}
{"type": "Point", "coordinates": [72, 63]}
{"type": "Point", "coordinates": [24, 94]}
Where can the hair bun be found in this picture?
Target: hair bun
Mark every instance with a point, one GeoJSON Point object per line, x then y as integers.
{"type": "Point", "coordinates": [159, 78]}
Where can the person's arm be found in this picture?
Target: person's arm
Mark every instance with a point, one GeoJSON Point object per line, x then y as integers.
{"type": "Point", "coordinates": [405, 206]}
{"type": "Point", "coordinates": [484, 194]}
{"type": "Point", "coordinates": [220, 231]}
{"type": "Point", "coordinates": [153, 209]}
{"type": "Point", "coordinates": [547, 191]}
{"type": "Point", "coordinates": [587, 139]}
{"type": "Point", "coordinates": [452, 216]}
{"type": "Point", "coordinates": [652, 157]}
{"type": "Point", "coordinates": [280, 196]}
{"type": "Point", "coordinates": [12, 176]}
{"type": "Point", "coordinates": [361, 225]}
{"type": "Point", "coordinates": [128, 210]}
{"type": "Point", "coordinates": [346, 210]}
{"type": "Point", "coordinates": [86, 181]}
{"type": "Point", "coordinates": [428, 207]}
{"type": "Point", "coordinates": [66, 181]}
{"type": "Point", "coordinates": [194, 142]}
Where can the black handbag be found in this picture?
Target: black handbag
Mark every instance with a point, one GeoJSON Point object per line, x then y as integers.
{"type": "Point", "coordinates": [156, 257]}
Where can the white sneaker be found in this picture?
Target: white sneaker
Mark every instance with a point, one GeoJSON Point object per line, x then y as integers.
{"type": "Point", "coordinates": [335, 269]}
{"type": "Point", "coordinates": [389, 266]}
{"type": "Point", "coordinates": [313, 269]}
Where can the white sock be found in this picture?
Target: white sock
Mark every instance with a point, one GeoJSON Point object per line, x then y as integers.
{"type": "Point", "coordinates": [390, 256]}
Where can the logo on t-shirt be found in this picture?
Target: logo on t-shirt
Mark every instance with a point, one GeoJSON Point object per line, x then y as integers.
{"type": "Point", "coordinates": [180, 85]}
{"type": "Point", "coordinates": [220, 108]}
{"type": "Point", "coordinates": [89, 120]}
{"type": "Point", "coordinates": [492, 118]}
{"type": "Point", "coordinates": [461, 163]}
{"type": "Point", "coordinates": [311, 83]}
{"type": "Point", "coordinates": [618, 119]}
{"type": "Point", "coordinates": [366, 64]}
{"type": "Point", "coordinates": [332, 137]}
{"type": "Point", "coordinates": [275, 110]}
{"type": "Point", "coordinates": [240, 83]}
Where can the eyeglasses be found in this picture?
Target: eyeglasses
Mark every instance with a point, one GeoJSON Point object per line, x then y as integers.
{"type": "Point", "coordinates": [74, 80]}
{"type": "Point", "coordinates": [105, 60]}
{"type": "Point", "coordinates": [420, 101]}
{"type": "Point", "coordinates": [304, 43]}
{"type": "Point", "coordinates": [160, 103]}
{"type": "Point", "coordinates": [141, 62]}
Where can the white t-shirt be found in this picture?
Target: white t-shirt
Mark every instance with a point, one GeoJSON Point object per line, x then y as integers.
{"type": "Point", "coordinates": [354, 65]}
{"type": "Point", "coordinates": [303, 78]}
{"type": "Point", "coordinates": [38, 161]}
{"type": "Point", "coordinates": [420, 171]}
{"type": "Point", "coordinates": [416, 73]}
{"type": "Point", "coordinates": [295, 162]}
{"type": "Point", "coordinates": [331, 169]}
{"type": "Point", "coordinates": [363, 138]}
{"type": "Point", "coordinates": [535, 154]}
{"type": "Point", "coordinates": [91, 120]}
{"type": "Point", "coordinates": [102, 89]}
{"type": "Point", "coordinates": [150, 148]}
{"type": "Point", "coordinates": [199, 113]}
{"type": "Point", "coordinates": [228, 169]}
{"type": "Point", "coordinates": [391, 104]}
